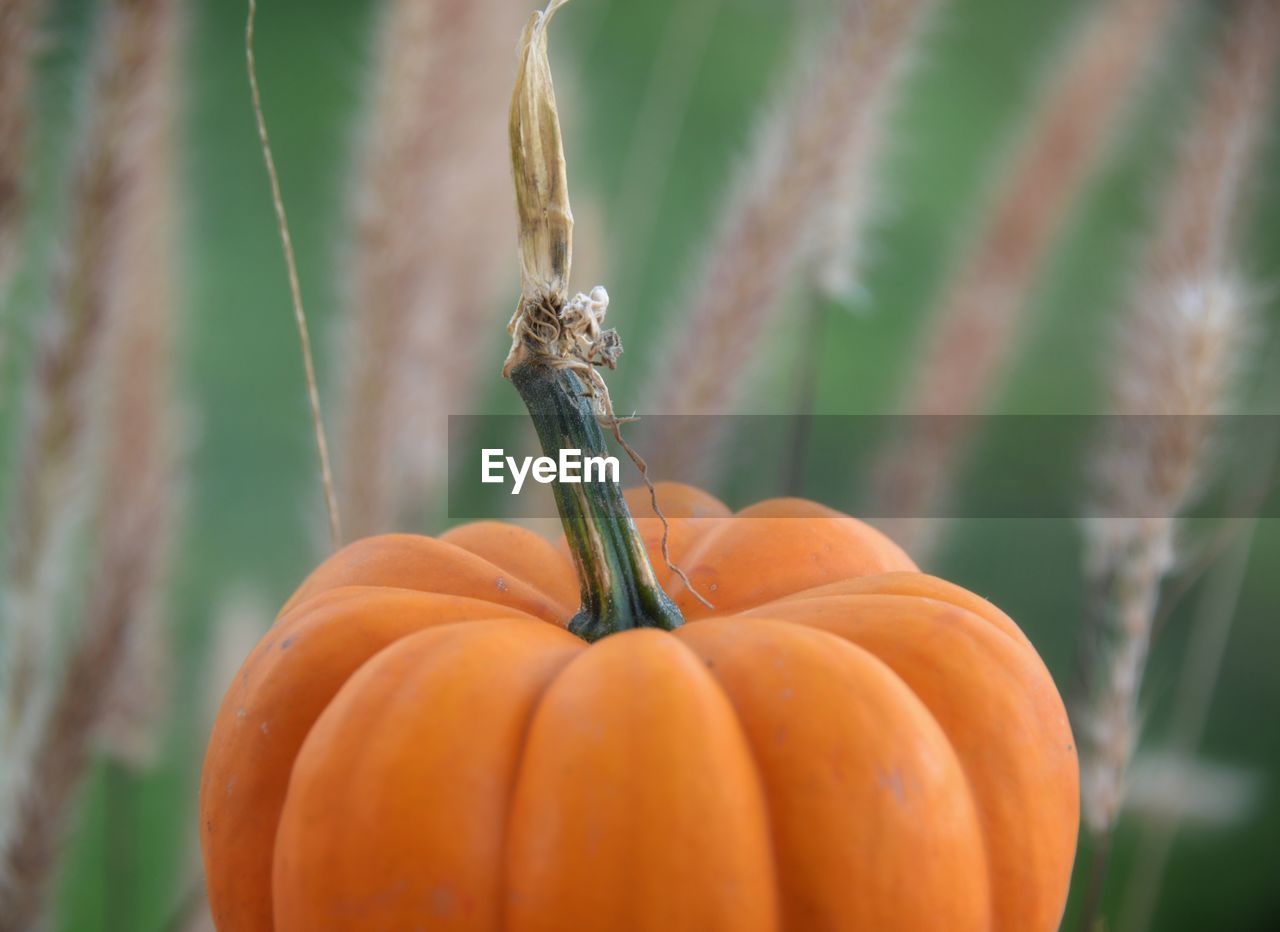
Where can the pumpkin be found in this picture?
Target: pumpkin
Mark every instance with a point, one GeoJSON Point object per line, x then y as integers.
{"type": "Point", "coordinates": [842, 743]}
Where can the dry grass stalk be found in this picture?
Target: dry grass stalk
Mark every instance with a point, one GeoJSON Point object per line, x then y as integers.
{"type": "Point", "coordinates": [975, 328]}
{"type": "Point", "coordinates": [1177, 354]}
{"type": "Point", "coordinates": [18, 39]}
{"type": "Point", "coordinates": [295, 287]}
{"type": "Point", "coordinates": [765, 229]}
{"type": "Point", "coordinates": [1197, 684]}
{"type": "Point", "coordinates": [50, 737]}
{"type": "Point", "coordinates": [432, 228]}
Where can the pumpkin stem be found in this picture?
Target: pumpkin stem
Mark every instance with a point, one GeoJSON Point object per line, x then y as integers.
{"type": "Point", "coordinates": [619, 589]}
{"type": "Point", "coordinates": [556, 346]}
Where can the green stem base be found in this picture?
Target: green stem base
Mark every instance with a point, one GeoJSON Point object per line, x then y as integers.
{"type": "Point", "coordinates": [619, 589]}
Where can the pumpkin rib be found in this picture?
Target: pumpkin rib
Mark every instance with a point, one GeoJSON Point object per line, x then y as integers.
{"type": "Point", "coordinates": [525, 554]}
{"type": "Point", "coordinates": [637, 804]}
{"type": "Point", "coordinates": [503, 868]}
{"type": "Point", "coordinates": [988, 843]}
{"type": "Point", "coordinates": [426, 564]}
{"type": "Point", "coordinates": [905, 888]}
{"type": "Point", "coordinates": [919, 585]}
{"type": "Point", "coordinates": [779, 547]}
{"type": "Point", "coordinates": [923, 641]}
{"type": "Point", "coordinates": [756, 766]}
{"type": "Point", "coordinates": [329, 599]}
{"type": "Point", "coordinates": [282, 688]}
{"type": "Point", "coordinates": [432, 780]}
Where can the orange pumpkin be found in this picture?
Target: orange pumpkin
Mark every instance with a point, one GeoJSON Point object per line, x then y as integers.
{"type": "Point", "coordinates": [842, 743]}
{"type": "Point", "coordinates": [431, 738]}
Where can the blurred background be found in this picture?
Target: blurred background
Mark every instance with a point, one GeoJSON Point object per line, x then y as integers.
{"type": "Point", "coordinates": [797, 237]}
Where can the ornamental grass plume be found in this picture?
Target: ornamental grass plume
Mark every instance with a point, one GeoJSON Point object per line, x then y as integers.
{"type": "Point", "coordinates": [138, 487]}
{"type": "Point", "coordinates": [974, 330]}
{"type": "Point", "coordinates": [431, 227]}
{"type": "Point", "coordinates": [802, 147]}
{"type": "Point", "coordinates": [49, 498]}
{"type": "Point", "coordinates": [1177, 352]}
{"type": "Point", "coordinates": [19, 20]}
{"type": "Point", "coordinates": [835, 245]}
{"type": "Point", "coordinates": [112, 298]}
{"type": "Point", "coordinates": [1230, 796]}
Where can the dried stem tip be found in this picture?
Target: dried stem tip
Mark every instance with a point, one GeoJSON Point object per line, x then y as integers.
{"type": "Point", "coordinates": [547, 327]}
{"type": "Point", "coordinates": [537, 159]}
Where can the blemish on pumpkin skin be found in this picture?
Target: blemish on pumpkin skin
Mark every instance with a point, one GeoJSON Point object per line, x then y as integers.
{"type": "Point", "coordinates": [502, 584]}
{"type": "Point", "coordinates": [231, 783]}
{"type": "Point", "coordinates": [443, 901]}
{"type": "Point", "coordinates": [892, 781]}
{"type": "Point", "coordinates": [288, 642]}
{"type": "Point", "coordinates": [241, 712]}
{"type": "Point", "coordinates": [265, 729]}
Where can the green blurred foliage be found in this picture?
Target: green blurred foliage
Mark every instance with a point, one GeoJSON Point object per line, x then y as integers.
{"type": "Point", "coordinates": [254, 511]}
